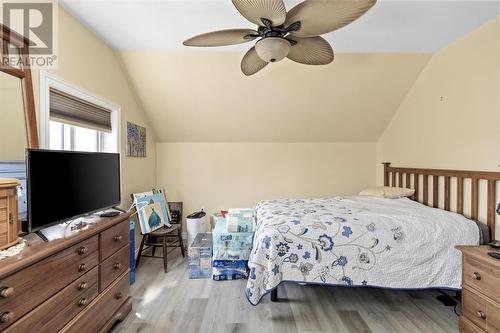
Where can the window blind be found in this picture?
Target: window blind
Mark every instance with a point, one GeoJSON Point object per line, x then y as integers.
{"type": "Point", "coordinates": [71, 110]}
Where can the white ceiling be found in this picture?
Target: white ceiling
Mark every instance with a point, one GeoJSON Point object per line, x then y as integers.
{"type": "Point", "coordinates": [389, 27]}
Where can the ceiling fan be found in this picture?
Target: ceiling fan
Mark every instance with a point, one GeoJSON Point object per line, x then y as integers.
{"type": "Point", "coordinates": [294, 35]}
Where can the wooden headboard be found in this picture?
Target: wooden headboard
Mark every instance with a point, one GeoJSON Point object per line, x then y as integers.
{"type": "Point", "coordinates": [410, 178]}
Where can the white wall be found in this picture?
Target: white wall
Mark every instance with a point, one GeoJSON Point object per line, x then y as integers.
{"type": "Point", "coordinates": [222, 175]}
{"type": "Point", "coordinates": [461, 130]}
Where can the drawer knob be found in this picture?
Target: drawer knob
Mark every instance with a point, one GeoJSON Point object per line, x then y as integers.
{"type": "Point", "coordinates": [481, 314]}
{"type": "Point", "coordinates": [82, 268]}
{"type": "Point", "coordinates": [6, 292]}
{"type": "Point", "coordinates": [82, 302]}
{"type": "Point", "coordinates": [117, 266]}
{"type": "Point", "coordinates": [476, 276]}
{"type": "Point", "coordinates": [83, 250]}
{"type": "Point", "coordinates": [118, 238]}
{"type": "Point", "coordinates": [7, 317]}
{"type": "Point", "coordinates": [82, 286]}
{"type": "Point", "coordinates": [119, 296]}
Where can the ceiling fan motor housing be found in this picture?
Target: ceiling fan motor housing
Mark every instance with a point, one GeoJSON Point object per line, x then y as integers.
{"type": "Point", "coordinates": [272, 49]}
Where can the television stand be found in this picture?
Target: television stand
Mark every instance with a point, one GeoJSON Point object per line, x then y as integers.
{"type": "Point", "coordinates": [40, 234]}
{"type": "Point", "coordinates": [92, 265]}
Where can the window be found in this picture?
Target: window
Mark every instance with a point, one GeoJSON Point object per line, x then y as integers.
{"type": "Point", "coordinates": [73, 119]}
{"type": "Point", "coordinates": [69, 137]}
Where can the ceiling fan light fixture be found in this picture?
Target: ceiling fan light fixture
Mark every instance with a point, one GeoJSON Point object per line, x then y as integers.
{"type": "Point", "coordinates": [272, 49]}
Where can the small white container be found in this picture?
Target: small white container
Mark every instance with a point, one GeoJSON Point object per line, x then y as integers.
{"type": "Point", "coordinates": [196, 223]}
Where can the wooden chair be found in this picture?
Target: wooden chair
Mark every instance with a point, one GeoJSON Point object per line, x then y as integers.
{"type": "Point", "coordinates": [164, 238]}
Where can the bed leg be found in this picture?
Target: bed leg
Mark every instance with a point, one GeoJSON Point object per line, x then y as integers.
{"type": "Point", "coordinates": [274, 295]}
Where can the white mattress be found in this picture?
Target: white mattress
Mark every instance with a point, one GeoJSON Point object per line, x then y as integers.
{"type": "Point", "coordinates": [357, 241]}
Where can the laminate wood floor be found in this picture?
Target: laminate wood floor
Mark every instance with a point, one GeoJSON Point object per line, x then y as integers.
{"type": "Point", "coordinates": [172, 303]}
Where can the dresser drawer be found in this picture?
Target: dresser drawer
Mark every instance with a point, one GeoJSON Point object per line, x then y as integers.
{"type": "Point", "coordinates": [482, 312]}
{"type": "Point", "coordinates": [31, 286]}
{"type": "Point", "coordinates": [114, 238]}
{"type": "Point", "coordinates": [57, 311]}
{"type": "Point", "coordinates": [3, 203]}
{"type": "Point", "coordinates": [102, 308]}
{"type": "Point", "coordinates": [3, 238]}
{"type": "Point", "coordinates": [474, 308]}
{"type": "Point", "coordinates": [481, 277]}
{"type": "Point", "coordinates": [114, 266]}
{"type": "Point", "coordinates": [466, 326]}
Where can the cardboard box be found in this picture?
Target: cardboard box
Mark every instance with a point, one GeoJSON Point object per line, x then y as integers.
{"type": "Point", "coordinates": [200, 257]}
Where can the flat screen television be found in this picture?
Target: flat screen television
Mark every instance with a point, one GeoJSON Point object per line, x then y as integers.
{"type": "Point", "coordinates": [64, 185]}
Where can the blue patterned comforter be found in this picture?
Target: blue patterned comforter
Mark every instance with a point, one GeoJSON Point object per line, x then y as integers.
{"type": "Point", "coordinates": [356, 241]}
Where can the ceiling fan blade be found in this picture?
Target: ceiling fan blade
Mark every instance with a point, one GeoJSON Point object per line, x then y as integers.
{"type": "Point", "coordinates": [222, 37]}
{"type": "Point", "coordinates": [318, 17]}
{"type": "Point", "coordinates": [255, 10]}
{"type": "Point", "coordinates": [251, 63]}
{"type": "Point", "coordinates": [311, 51]}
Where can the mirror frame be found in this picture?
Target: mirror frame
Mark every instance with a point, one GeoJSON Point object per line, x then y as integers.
{"type": "Point", "coordinates": [8, 36]}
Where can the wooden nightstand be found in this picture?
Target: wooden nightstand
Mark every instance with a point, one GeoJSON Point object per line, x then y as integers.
{"type": "Point", "coordinates": [480, 290]}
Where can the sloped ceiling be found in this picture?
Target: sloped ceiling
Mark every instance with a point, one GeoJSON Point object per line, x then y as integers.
{"type": "Point", "coordinates": [203, 97]}
{"type": "Point", "coordinates": [200, 95]}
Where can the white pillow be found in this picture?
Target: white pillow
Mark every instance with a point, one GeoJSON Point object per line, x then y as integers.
{"type": "Point", "coordinates": [388, 192]}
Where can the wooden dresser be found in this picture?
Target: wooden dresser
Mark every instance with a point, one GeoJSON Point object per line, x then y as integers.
{"type": "Point", "coordinates": [480, 290]}
{"type": "Point", "coordinates": [79, 283]}
{"type": "Point", "coordinates": [8, 213]}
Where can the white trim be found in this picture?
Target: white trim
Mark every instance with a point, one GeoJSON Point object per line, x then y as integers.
{"type": "Point", "coordinates": [47, 81]}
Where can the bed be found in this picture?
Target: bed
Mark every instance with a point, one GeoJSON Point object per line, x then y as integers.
{"type": "Point", "coordinates": [368, 241]}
